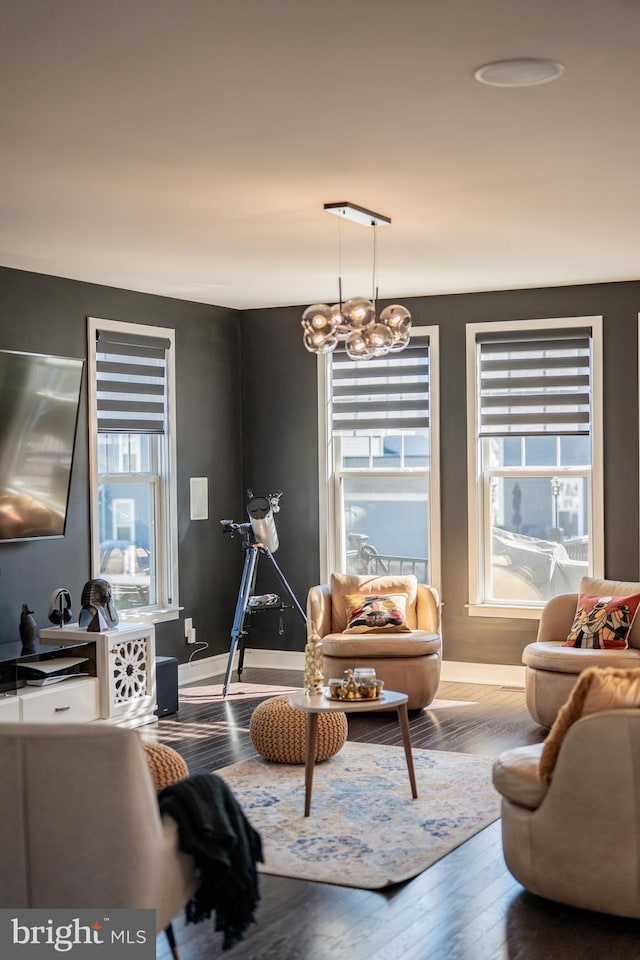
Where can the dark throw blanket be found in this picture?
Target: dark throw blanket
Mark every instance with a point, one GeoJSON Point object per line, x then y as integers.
{"type": "Point", "coordinates": [214, 830]}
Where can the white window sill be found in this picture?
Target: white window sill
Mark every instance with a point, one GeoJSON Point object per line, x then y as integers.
{"type": "Point", "coordinates": [503, 612]}
{"type": "Point", "coordinates": [157, 615]}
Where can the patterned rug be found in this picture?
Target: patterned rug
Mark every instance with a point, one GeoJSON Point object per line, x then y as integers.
{"type": "Point", "coordinates": [203, 693]}
{"type": "Point", "coordinates": [364, 829]}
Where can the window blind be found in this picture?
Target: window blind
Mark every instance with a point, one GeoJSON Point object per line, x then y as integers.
{"type": "Point", "coordinates": [131, 383]}
{"type": "Point", "coordinates": [384, 393]}
{"type": "Point", "coordinates": [535, 383]}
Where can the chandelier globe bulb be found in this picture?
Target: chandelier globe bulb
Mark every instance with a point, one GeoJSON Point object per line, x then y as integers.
{"type": "Point", "coordinates": [357, 348]}
{"type": "Point", "coordinates": [318, 318]}
{"type": "Point", "coordinates": [399, 343]}
{"type": "Point", "coordinates": [378, 338]}
{"type": "Point", "coordinates": [397, 318]}
{"type": "Point", "coordinates": [359, 313]}
{"type": "Point", "coordinates": [342, 328]}
{"type": "Point", "coordinates": [317, 341]}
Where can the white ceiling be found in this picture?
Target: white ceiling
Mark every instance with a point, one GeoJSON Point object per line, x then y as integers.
{"type": "Point", "coordinates": [186, 147]}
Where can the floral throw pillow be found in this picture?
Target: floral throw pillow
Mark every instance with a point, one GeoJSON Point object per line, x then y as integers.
{"type": "Point", "coordinates": [382, 613]}
{"type": "Point", "coordinates": [603, 623]}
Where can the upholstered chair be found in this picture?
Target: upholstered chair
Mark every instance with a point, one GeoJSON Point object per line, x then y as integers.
{"type": "Point", "coordinates": [575, 840]}
{"type": "Point", "coordinates": [407, 662]}
{"type": "Point", "coordinates": [552, 669]}
{"type": "Point", "coordinates": [80, 823]}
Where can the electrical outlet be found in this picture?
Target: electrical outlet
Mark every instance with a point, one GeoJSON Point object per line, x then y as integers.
{"type": "Point", "coordinates": [188, 627]}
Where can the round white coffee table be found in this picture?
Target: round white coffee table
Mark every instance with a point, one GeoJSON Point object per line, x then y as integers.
{"type": "Point", "coordinates": [314, 705]}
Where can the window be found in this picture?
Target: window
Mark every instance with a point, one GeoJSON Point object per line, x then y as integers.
{"type": "Point", "coordinates": [133, 495]}
{"type": "Point", "coordinates": [379, 436]}
{"type": "Point", "coordinates": [535, 462]}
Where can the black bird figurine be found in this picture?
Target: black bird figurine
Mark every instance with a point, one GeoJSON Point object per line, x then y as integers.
{"type": "Point", "coordinates": [29, 631]}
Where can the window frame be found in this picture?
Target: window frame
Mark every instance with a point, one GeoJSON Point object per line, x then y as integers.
{"type": "Point", "coordinates": [478, 547]}
{"type": "Point", "coordinates": [167, 604]}
{"type": "Point", "coordinates": [638, 366]}
{"type": "Point", "coordinates": [330, 491]}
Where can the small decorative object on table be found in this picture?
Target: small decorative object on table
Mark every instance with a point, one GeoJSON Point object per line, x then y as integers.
{"type": "Point", "coordinates": [98, 609]}
{"type": "Point", "coordinates": [313, 664]}
{"type": "Point", "coordinates": [358, 684]}
{"type": "Point", "coordinates": [29, 631]}
{"type": "Point", "coordinates": [60, 611]}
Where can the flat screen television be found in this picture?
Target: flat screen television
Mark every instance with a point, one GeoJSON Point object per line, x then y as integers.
{"type": "Point", "coordinates": [39, 404]}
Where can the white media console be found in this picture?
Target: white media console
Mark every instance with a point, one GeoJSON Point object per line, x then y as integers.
{"type": "Point", "coordinates": [121, 689]}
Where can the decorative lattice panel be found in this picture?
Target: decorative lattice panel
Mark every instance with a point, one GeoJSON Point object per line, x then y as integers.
{"type": "Point", "coordinates": [130, 665]}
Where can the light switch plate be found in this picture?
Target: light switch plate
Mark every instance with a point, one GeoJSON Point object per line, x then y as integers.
{"type": "Point", "coordinates": [199, 490]}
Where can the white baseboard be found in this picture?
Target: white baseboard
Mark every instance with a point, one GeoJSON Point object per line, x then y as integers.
{"type": "Point", "coordinates": [202, 669]}
{"type": "Point", "coordinates": [276, 659]}
{"type": "Point", "coordinates": [497, 674]}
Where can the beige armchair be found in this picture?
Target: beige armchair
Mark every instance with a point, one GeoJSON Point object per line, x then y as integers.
{"type": "Point", "coordinates": [576, 841]}
{"type": "Point", "coordinates": [552, 669]}
{"type": "Point", "coordinates": [80, 823]}
{"type": "Point", "coordinates": [406, 662]}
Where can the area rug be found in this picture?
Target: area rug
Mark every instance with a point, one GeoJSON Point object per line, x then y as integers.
{"type": "Point", "coordinates": [237, 690]}
{"type": "Point", "coordinates": [364, 829]}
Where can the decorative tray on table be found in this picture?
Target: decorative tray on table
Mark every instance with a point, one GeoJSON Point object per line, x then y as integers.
{"type": "Point", "coordinates": [341, 690]}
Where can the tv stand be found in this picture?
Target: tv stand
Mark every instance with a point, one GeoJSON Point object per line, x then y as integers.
{"type": "Point", "coordinates": [74, 700]}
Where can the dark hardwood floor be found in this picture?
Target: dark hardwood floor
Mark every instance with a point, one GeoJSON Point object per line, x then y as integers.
{"type": "Point", "coordinates": [467, 906]}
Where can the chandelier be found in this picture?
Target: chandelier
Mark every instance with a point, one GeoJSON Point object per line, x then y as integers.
{"type": "Point", "coordinates": [356, 321]}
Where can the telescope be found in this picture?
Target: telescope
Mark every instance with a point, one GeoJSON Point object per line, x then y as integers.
{"type": "Point", "coordinates": [262, 525]}
{"type": "Point", "coordinates": [259, 536]}
{"type": "Point", "coordinates": [261, 511]}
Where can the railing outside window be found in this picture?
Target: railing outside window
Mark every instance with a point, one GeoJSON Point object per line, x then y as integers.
{"type": "Point", "coordinates": [363, 558]}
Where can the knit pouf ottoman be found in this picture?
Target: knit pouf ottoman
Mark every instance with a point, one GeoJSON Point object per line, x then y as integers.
{"type": "Point", "coordinates": [279, 732]}
{"type": "Point", "coordinates": [165, 765]}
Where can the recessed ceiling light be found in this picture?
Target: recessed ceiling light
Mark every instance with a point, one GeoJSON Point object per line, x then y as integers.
{"type": "Point", "coordinates": [525, 72]}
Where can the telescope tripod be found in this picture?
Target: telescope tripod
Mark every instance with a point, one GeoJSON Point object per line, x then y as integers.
{"type": "Point", "coordinates": [252, 553]}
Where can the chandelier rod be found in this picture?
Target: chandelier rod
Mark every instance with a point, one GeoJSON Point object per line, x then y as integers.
{"type": "Point", "coordinates": [374, 285]}
{"type": "Point", "coordinates": [340, 262]}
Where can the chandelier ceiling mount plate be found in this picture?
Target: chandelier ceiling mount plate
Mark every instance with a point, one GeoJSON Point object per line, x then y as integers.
{"type": "Point", "coordinates": [350, 211]}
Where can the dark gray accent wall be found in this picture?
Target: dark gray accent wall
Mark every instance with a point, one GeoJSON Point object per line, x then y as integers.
{"type": "Point", "coordinates": [279, 398]}
{"type": "Point", "coordinates": [44, 314]}
{"type": "Point", "coordinates": [280, 452]}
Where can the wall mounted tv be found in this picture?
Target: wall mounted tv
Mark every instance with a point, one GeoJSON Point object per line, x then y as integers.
{"type": "Point", "coordinates": [39, 403]}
